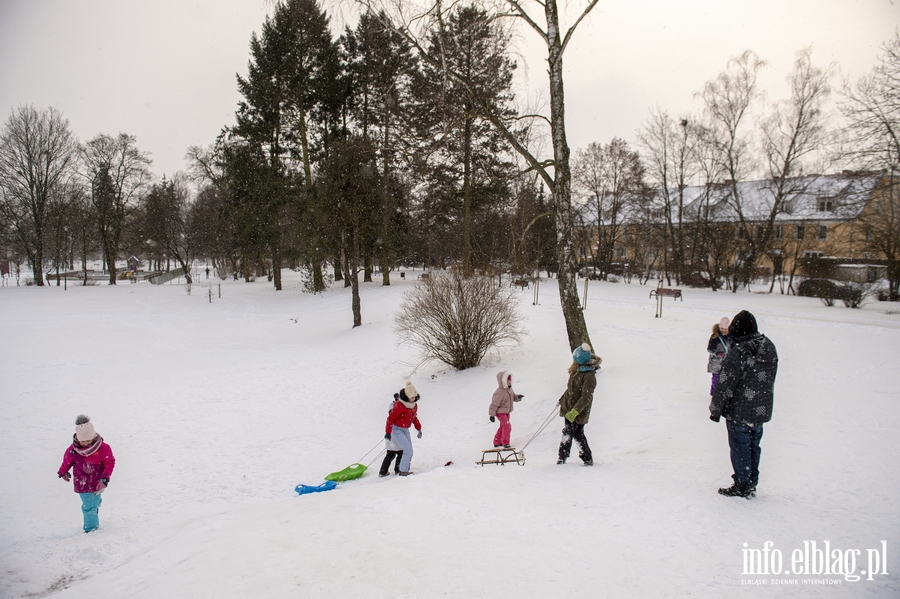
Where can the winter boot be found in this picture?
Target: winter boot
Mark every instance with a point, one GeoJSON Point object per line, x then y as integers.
{"type": "Point", "coordinates": [589, 462]}
{"type": "Point", "coordinates": [560, 461]}
{"type": "Point", "coordinates": [738, 490]}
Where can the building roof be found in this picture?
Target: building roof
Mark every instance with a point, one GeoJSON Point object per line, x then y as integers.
{"type": "Point", "coordinates": [843, 197]}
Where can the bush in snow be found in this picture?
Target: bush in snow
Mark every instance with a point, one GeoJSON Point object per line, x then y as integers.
{"type": "Point", "coordinates": [457, 319]}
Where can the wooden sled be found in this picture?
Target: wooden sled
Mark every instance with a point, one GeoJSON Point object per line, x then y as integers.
{"type": "Point", "coordinates": [502, 455]}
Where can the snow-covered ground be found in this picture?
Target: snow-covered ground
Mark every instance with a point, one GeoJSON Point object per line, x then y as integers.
{"type": "Point", "coordinates": [215, 411]}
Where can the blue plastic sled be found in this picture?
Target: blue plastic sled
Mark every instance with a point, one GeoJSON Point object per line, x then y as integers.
{"type": "Point", "coordinates": [326, 486]}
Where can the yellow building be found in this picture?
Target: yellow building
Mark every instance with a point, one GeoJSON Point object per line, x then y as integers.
{"type": "Point", "coordinates": [816, 216]}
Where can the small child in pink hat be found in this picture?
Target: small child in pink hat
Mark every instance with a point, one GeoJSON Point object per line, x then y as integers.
{"type": "Point", "coordinates": [91, 461]}
{"type": "Point", "coordinates": [718, 346]}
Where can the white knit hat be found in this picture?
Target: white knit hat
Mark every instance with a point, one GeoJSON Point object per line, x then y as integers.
{"type": "Point", "coordinates": [84, 429]}
{"type": "Point", "coordinates": [410, 390]}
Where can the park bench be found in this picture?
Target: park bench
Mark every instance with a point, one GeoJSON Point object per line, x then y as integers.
{"type": "Point", "coordinates": [666, 292]}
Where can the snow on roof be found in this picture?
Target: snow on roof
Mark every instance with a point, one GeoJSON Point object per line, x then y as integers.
{"type": "Point", "coordinates": [813, 197]}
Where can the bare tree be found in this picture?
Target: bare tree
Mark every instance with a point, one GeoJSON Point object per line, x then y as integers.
{"type": "Point", "coordinates": [872, 108]}
{"type": "Point", "coordinates": [792, 134]}
{"type": "Point", "coordinates": [117, 172]}
{"type": "Point", "coordinates": [727, 102]}
{"type": "Point", "coordinates": [612, 176]}
{"type": "Point", "coordinates": [37, 157]}
{"type": "Point", "coordinates": [670, 151]}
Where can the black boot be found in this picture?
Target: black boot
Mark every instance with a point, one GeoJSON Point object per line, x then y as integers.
{"type": "Point", "coordinates": [386, 464]}
{"type": "Point", "coordinates": [738, 490]}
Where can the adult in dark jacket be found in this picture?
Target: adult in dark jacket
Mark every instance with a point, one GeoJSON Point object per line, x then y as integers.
{"type": "Point", "coordinates": [744, 396]}
{"type": "Point", "coordinates": [575, 403]}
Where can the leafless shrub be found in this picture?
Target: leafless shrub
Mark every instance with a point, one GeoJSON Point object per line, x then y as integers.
{"type": "Point", "coordinates": [860, 293]}
{"type": "Point", "coordinates": [457, 319]}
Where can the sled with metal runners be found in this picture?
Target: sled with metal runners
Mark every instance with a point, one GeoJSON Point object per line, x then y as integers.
{"type": "Point", "coordinates": [502, 456]}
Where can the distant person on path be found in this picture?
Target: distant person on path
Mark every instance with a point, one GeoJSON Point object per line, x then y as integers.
{"type": "Point", "coordinates": [91, 461]}
{"type": "Point", "coordinates": [718, 346]}
{"type": "Point", "coordinates": [502, 406]}
{"type": "Point", "coordinates": [744, 396]}
{"type": "Point", "coordinates": [394, 452]}
{"type": "Point", "coordinates": [575, 403]}
{"type": "Point", "coordinates": [402, 416]}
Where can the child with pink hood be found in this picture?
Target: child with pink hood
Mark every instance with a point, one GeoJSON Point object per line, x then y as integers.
{"type": "Point", "coordinates": [91, 461]}
{"type": "Point", "coordinates": [501, 407]}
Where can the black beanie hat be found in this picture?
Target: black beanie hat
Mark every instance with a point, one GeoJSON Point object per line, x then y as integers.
{"type": "Point", "coordinates": [743, 324]}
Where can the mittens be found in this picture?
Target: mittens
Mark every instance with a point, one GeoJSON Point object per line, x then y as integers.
{"type": "Point", "coordinates": [419, 436]}
{"type": "Point", "coordinates": [493, 419]}
{"type": "Point", "coordinates": [571, 415]}
{"type": "Point", "coordinates": [66, 477]}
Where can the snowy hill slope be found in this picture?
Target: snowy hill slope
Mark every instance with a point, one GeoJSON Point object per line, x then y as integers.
{"type": "Point", "coordinates": [216, 410]}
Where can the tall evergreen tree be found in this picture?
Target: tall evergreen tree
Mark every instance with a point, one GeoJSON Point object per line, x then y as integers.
{"type": "Point", "coordinates": [381, 70]}
{"type": "Point", "coordinates": [468, 150]}
{"type": "Point", "coordinates": [293, 66]}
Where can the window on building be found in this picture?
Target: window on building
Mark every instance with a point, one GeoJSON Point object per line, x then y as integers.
{"type": "Point", "coordinates": [813, 254]}
{"type": "Point", "coordinates": [826, 205]}
{"type": "Point", "coordinates": [800, 233]}
{"type": "Point", "coordinates": [822, 232]}
{"type": "Point", "coordinates": [779, 232]}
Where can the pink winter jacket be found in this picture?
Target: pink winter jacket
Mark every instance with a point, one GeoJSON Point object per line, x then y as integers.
{"type": "Point", "coordinates": [502, 401]}
{"type": "Point", "coordinates": [87, 470]}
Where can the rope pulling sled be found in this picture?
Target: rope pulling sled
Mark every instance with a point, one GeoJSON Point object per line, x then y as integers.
{"type": "Point", "coordinates": [351, 472]}
{"type": "Point", "coordinates": [501, 455]}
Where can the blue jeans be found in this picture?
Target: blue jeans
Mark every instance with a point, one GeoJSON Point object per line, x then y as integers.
{"type": "Point", "coordinates": [743, 439]}
{"type": "Point", "coordinates": [90, 505]}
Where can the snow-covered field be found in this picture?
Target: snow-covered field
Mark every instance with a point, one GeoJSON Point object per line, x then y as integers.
{"type": "Point", "coordinates": [215, 411]}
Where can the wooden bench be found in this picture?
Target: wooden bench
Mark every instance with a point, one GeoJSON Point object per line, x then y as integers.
{"type": "Point", "coordinates": [523, 283]}
{"type": "Point", "coordinates": [502, 455]}
{"type": "Point", "coordinates": [666, 292]}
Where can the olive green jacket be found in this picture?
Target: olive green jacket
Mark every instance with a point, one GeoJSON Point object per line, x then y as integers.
{"type": "Point", "coordinates": [579, 394]}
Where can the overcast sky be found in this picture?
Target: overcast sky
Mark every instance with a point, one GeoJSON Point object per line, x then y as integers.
{"type": "Point", "coordinates": [164, 70]}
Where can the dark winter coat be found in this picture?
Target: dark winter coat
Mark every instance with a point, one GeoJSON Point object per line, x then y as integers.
{"type": "Point", "coordinates": [579, 393]}
{"type": "Point", "coordinates": [746, 387]}
{"type": "Point", "coordinates": [717, 347]}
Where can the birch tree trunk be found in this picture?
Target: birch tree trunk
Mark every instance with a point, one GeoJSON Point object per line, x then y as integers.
{"type": "Point", "coordinates": [576, 328]}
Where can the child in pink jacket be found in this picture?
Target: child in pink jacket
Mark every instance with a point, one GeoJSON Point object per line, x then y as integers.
{"type": "Point", "coordinates": [91, 461]}
{"type": "Point", "coordinates": [502, 406]}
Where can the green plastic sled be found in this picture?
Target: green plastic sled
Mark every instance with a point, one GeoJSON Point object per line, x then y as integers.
{"type": "Point", "coordinates": [351, 472]}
